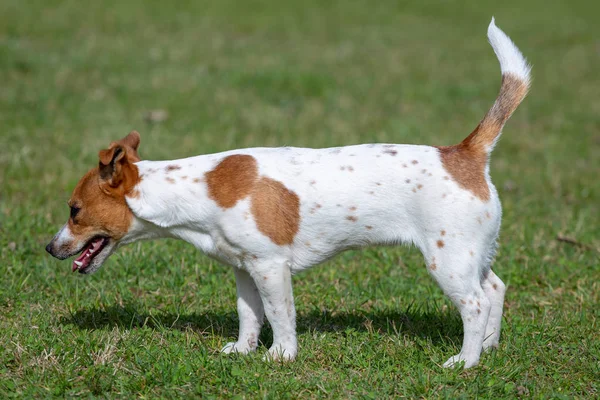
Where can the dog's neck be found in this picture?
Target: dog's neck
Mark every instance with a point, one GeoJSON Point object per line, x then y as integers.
{"type": "Point", "coordinates": [171, 201]}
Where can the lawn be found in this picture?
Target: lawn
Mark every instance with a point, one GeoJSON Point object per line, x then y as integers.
{"type": "Point", "coordinates": [198, 77]}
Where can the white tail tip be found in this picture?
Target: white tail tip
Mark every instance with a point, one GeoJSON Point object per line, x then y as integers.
{"type": "Point", "coordinates": [511, 59]}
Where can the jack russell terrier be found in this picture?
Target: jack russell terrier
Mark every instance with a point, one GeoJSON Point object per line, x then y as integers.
{"type": "Point", "coordinates": [273, 212]}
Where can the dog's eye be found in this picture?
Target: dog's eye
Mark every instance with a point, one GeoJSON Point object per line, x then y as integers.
{"type": "Point", "coordinates": [74, 211]}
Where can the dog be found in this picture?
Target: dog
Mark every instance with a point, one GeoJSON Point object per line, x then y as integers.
{"type": "Point", "coordinates": [273, 212]}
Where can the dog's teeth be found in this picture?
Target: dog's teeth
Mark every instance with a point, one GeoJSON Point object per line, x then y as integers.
{"type": "Point", "coordinates": [78, 263]}
{"type": "Point", "coordinates": [91, 251]}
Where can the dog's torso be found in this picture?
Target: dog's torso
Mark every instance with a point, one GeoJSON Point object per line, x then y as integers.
{"type": "Point", "coordinates": [326, 201]}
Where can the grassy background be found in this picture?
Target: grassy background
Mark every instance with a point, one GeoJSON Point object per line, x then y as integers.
{"type": "Point", "coordinates": [75, 75]}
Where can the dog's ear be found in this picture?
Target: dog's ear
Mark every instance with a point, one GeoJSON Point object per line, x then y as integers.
{"type": "Point", "coordinates": [131, 142]}
{"type": "Point", "coordinates": [116, 163]}
{"type": "Point", "coordinates": [111, 164]}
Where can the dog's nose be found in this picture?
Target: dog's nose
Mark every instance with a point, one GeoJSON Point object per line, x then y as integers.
{"type": "Point", "coordinates": [49, 249]}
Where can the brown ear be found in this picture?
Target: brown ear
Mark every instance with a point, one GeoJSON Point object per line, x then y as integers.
{"type": "Point", "coordinates": [131, 142]}
{"type": "Point", "coordinates": [118, 173]}
{"type": "Point", "coordinates": [111, 164]}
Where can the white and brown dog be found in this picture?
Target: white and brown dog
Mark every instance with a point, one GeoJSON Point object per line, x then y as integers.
{"type": "Point", "coordinates": [272, 212]}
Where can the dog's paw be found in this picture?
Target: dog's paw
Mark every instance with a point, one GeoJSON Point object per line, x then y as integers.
{"type": "Point", "coordinates": [458, 359]}
{"type": "Point", "coordinates": [453, 361]}
{"type": "Point", "coordinates": [236, 347]}
{"type": "Point", "coordinates": [280, 353]}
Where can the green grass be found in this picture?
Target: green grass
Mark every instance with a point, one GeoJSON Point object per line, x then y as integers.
{"type": "Point", "coordinates": [372, 324]}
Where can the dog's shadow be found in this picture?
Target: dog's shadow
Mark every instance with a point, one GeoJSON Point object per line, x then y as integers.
{"type": "Point", "coordinates": [434, 325]}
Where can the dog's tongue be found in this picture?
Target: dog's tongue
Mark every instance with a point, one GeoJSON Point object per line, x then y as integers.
{"type": "Point", "coordinates": [87, 254]}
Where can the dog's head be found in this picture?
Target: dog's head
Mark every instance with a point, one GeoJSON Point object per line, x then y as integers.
{"type": "Point", "coordinates": [100, 217]}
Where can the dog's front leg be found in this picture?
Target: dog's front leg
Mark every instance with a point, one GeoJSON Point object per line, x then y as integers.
{"type": "Point", "coordinates": [274, 282]}
{"type": "Point", "coordinates": [250, 312]}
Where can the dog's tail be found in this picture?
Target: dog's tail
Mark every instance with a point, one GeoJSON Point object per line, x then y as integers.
{"type": "Point", "coordinates": [515, 84]}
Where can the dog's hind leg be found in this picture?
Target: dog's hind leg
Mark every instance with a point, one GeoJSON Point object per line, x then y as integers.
{"type": "Point", "coordinates": [458, 276]}
{"type": "Point", "coordinates": [494, 289]}
{"type": "Point", "coordinates": [250, 312]}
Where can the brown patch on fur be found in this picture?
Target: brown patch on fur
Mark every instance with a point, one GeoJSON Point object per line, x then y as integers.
{"type": "Point", "coordinates": [315, 208]}
{"type": "Point", "coordinates": [198, 180]}
{"type": "Point", "coordinates": [446, 177]}
{"type": "Point", "coordinates": [414, 162]}
{"type": "Point", "coordinates": [404, 166]}
{"type": "Point", "coordinates": [440, 243]}
{"type": "Point", "coordinates": [433, 267]}
{"type": "Point", "coordinates": [466, 161]}
{"type": "Point", "coordinates": [172, 167]}
{"type": "Point", "coordinates": [466, 165]}
{"type": "Point", "coordinates": [407, 181]}
{"type": "Point", "coordinates": [184, 177]}
{"type": "Point", "coordinates": [169, 179]}
{"type": "Point", "coordinates": [307, 244]}
{"type": "Point", "coordinates": [443, 233]}
{"type": "Point", "coordinates": [353, 208]}
{"type": "Point", "coordinates": [232, 179]}
{"type": "Point", "coordinates": [369, 227]}
{"type": "Point", "coordinates": [351, 218]}
{"type": "Point", "coordinates": [414, 190]}
{"type": "Point", "coordinates": [419, 186]}
{"type": "Point", "coordinates": [378, 184]}
{"type": "Point", "coordinates": [479, 220]}
{"type": "Point", "coordinates": [391, 152]}
{"type": "Point", "coordinates": [462, 301]}
{"type": "Point", "coordinates": [471, 253]}
{"type": "Point", "coordinates": [478, 311]}
{"type": "Point", "coordinates": [276, 210]}
{"type": "Point", "coordinates": [495, 286]}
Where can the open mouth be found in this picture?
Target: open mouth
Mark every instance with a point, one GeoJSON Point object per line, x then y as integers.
{"type": "Point", "coordinates": [90, 250]}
